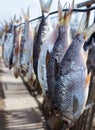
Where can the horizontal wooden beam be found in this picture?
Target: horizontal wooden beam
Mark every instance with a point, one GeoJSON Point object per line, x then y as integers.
{"type": "Point", "coordinates": [87, 3]}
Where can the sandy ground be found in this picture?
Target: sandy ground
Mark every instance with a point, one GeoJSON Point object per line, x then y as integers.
{"type": "Point", "coordinates": [18, 109]}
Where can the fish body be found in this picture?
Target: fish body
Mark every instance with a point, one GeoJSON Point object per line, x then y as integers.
{"type": "Point", "coordinates": [26, 48]}
{"type": "Point", "coordinates": [90, 44]}
{"type": "Point", "coordinates": [9, 43]}
{"type": "Point", "coordinates": [16, 58]}
{"type": "Point", "coordinates": [37, 44]}
{"type": "Point", "coordinates": [47, 45]}
{"type": "Point", "coordinates": [8, 47]}
{"type": "Point", "coordinates": [59, 49]}
{"type": "Point", "coordinates": [72, 81]}
{"type": "Point", "coordinates": [4, 37]}
{"type": "Point", "coordinates": [41, 34]}
{"type": "Point", "coordinates": [15, 47]}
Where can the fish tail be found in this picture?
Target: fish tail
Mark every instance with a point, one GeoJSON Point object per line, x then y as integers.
{"type": "Point", "coordinates": [26, 16]}
{"type": "Point", "coordinates": [60, 13]}
{"type": "Point", "coordinates": [86, 31]}
{"type": "Point", "coordinates": [83, 23]}
{"type": "Point", "coordinates": [89, 31]}
{"type": "Point", "coordinates": [68, 14]}
{"type": "Point", "coordinates": [64, 18]}
{"type": "Point", "coordinates": [13, 20]}
{"type": "Point", "coordinates": [45, 6]}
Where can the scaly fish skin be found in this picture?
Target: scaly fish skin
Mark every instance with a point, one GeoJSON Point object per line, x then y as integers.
{"type": "Point", "coordinates": [8, 46]}
{"type": "Point", "coordinates": [57, 54]}
{"type": "Point", "coordinates": [71, 91]}
{"type": "Point", "coordinates": [37, 43]}
{"type": "Point", "coordinates": [42, 32]}
{"type": "Point", "coordinates": [26, 48]}
{"type": "Point", "coordinates": [47, 45]}
{"type": "Point", "coordinates": [59, 49]}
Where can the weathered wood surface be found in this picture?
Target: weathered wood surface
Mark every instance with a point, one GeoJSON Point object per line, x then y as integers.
{"type": "Point", "coordinates": [18, 109]}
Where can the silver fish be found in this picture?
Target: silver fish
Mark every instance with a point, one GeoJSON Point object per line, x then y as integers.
{"type": "Point", "coordinates": [47, 45]}
{"type": "Point", "coordinates": [16, 58]}
{"type": "Point", "coordinates": [17, 40]}
{"type": "Point", "coordinates": [26, 44]}
{"type": "Point", "coordinates": [42, 32]}
{"type": "Point", "coordinates": [60, 47]}
{"type": "Point", "coordinates": [4, 36]}
{"type": "Point", "coordinates": [72, 81]}
{"type": "Point", "coordinates": [8, 47]}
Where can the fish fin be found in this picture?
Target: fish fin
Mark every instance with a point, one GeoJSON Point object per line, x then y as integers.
{"type": "Point", "coordinates": [89, 106]}
{"type": "Point", "coordinates": [60, 12]}
{"type": "Point", "coordinates": [56, 68]}
{"type": "Point", "coordinates": [20, 20]}
{"type": "Point", "coordinates": [66, 17]}
{"type": "Point", "coordinates": [89, 31]}
{"type": "Point", "coordinates": [68, 14]}
{"type": "Point", "coordinates": [45, 7]}
{"type": "Point", "coordinates": [75, 104]}
{"type": "Point", "coordinates": [47, 58]}
{"type": "Point", "coordinates": [23, 13]}
{"type": "Point", "coordinates": [14, 19]}
{"type": "Point", "coordinates": [28, 13]}
{"type": "Point", "coordinates": [87, 81]}
{"type": "Point", "coordinates": [86, 31]}
{"type": "Point", "coordinates": [78, 112]}
{"type": "Point", "coordinates": [82, 24]}
{"type": "Point", "coordinates": [25, 16]}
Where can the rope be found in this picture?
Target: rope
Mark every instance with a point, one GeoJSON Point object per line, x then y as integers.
{"type": "Point", "coordinates": [74, 10]}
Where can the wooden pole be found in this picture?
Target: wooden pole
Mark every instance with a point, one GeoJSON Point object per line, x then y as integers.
{"type": "Point", "coordinates": [87, 3]}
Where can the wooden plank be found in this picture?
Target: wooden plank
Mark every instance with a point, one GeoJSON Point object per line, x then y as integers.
{"type": "Point", "coordinates": [87, 3]}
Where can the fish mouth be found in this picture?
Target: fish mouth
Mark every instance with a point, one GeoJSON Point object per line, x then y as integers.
{"type": "Point", "coordinates": [23, 70]}
{"type": "Point", "coordinates": [67, 122]}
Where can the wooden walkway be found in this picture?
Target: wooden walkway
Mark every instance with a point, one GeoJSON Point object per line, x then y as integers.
{"type": "Point", "coordinates": [18, 109]}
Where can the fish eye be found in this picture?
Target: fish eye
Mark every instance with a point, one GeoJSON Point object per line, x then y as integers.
{"type": "Point", "coordinates": [65, 124]}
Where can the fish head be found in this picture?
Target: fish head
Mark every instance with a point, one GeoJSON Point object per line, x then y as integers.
{"type": "Point", "coordinates": [67, 123]}
{"type": "Point", "coordinates": [24, 69]}
{"type": "Point", "coordinates": [67, 119]}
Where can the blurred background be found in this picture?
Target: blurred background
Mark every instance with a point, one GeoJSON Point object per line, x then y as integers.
{"type": "Point", "coordinates": [8, 8]}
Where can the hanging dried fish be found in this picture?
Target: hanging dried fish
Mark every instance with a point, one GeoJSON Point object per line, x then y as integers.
{"type": "Point", "coordinates": [16, 51]}
{"type": "Point", "coordinates": [26, 48]}
{"type": "Point", "coordinates": [60, 47]}
{"type": "Point", "coordinates": [72, 81]}
{"type": "Point", "coordinates": [47, 45]}
{"type": "Point", "coordinates": [8, 47]}
{"type": "Point", "coordinates": [42, 32]}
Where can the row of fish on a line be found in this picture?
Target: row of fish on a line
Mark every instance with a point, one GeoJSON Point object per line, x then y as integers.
{"type": "Point", "coordinates": [49, 55]}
